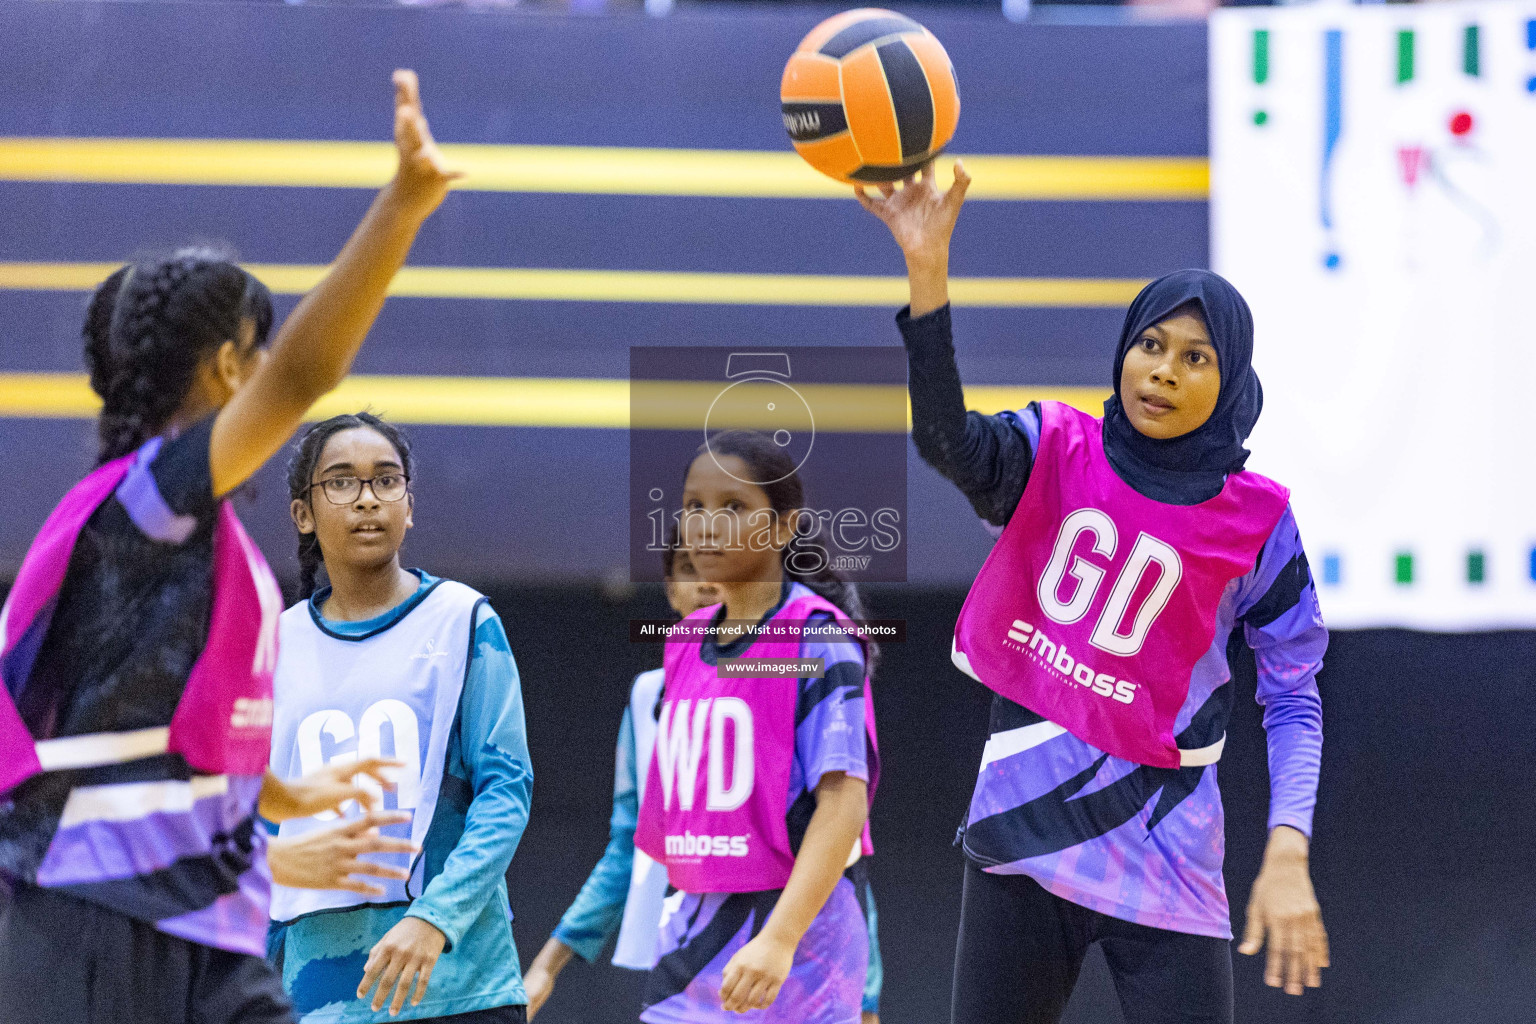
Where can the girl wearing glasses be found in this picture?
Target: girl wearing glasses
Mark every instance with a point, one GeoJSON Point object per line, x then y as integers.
{"type": "Point", "coordinates": [138, 643]}
{"type": "Point", "coordinates": [388, 661]}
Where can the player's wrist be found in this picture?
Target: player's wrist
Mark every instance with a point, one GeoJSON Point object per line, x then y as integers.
{"type": "Point", "coordinates": [781, 934]}
{"type": "Point", "coordinates": [553, 957]}
{"type": "Point", "coordinates": [928, 262]}
{"type": "Point", "coordinates": [406, 204]}
{"type": "Point", "coordinates": [1287, 845]}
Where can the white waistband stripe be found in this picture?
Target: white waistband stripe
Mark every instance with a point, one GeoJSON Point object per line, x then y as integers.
{"type": "Point", "coordinates": [1016, 741]}
{"type": "Point", "coordinates": [99, 748]}
{"type": "Point", "coordinates": [1201, 756]}
{"type": "Point", "coordinates": [130, 800]}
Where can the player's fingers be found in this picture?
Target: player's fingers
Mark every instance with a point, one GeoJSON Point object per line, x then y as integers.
{"type": "Point", "coordinates": [361, 888]}
{"type": "Point", "coordinates": [389, 978]}
{"type": "Point", "coordinates": [1294, 966]}
{"type": "Point", "coordinates": [728, 983]}
{"type": "Point", "coordinates": [741, 995]}
{"type": "Point", "coordinates": [403, 986]}
{"type": "Point", "coordinates": [367, 800]}
{"type": "Point", "coordinates": [1314, 969]}
{"type": "Point", "coordinates": [866, 200]}
{"type": "Point", "coordinates": [382, 769]}
{"type": "Point", "coordinates": [407, 88]}
{"type": "Point", "coordinates": [1253, 933]}
{"type": "Point", "coordinates": [372, 870]}
{"type": "Point", "coordinates": [1322, 935]}
{"type": "Point", "coordinates": [1274, 965]}
{"type": "Point", "coordinates": [374, 820]}
{"type": "Point", "coordinates": [421, 983]}
{"type": "Point", "coordinates": [1313, 954]}
{"type": "Point", "coordinates": [886, 189]}
{"type": "Point", "coordinates": [371, 971]}
{"type": "Point", "coordinates": [956, 194]}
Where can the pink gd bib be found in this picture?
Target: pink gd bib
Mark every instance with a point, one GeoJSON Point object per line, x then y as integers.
{"type": "Point", "coordinates": [223, 722]}
{"type": "Point", "coordinates": [1096, 602]}
{"type": "Point", "coordinates": [717, 790]}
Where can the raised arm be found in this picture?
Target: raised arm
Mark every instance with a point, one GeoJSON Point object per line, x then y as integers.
{"type": "Point", "coordinates": [987, 457]}
{"type": "Point", "coordinates": [922, 222]}
{"type": "Point", "coordinates": [315, 347]}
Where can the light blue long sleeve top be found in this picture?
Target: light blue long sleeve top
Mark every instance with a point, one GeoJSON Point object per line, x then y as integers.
{"type": "Point", "coordinates": [480, 817]}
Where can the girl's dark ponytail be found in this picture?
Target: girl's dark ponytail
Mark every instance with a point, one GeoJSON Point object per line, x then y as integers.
{"type": "Point", "coordinates": [301, 472]}
{"type": "Point", "coordinates": [149, 326]}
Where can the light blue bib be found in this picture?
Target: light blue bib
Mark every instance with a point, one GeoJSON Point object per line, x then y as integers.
{"type": "Point", "coordinates": [636, 948]}
{"type": "Point", "coordinates": [393, 693]}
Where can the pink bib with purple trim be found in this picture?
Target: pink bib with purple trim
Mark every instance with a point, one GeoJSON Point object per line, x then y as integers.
{"type": "Point", "coordinates": [223, 722]}
{"type": "Point", "coordinates": [717, 790]}
{"type": "Point", "coordinates": [1096, 602]}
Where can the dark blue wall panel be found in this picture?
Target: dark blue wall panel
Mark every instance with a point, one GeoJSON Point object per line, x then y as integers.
{"type": "Point", "coordinates": [705, 78]}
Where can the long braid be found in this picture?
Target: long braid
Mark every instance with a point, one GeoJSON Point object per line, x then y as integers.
{"type": "Point", "coordinates": [147, 329]}
{"type": "Point", "coordinates": [98, 330]}
{"type": "Point", "coordinates": [148, 381]}
{"type": "Point", "coordinates": [301, 472]}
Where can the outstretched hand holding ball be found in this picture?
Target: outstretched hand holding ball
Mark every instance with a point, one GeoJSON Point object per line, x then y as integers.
{"type": "Point", "coordinates": [922, 220]}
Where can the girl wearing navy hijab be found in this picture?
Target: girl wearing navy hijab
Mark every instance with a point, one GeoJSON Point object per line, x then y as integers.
{"type": "Point", "coordinates": [1129, 548]}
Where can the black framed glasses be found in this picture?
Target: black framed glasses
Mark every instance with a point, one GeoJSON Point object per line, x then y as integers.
{"type": "Point", "coordinates": [344, 490]}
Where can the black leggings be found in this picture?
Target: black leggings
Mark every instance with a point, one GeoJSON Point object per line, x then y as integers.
{"type": "Point", "coordinates": [66, 961]}
{"type": "Point", "coordinates": [1021, 948]}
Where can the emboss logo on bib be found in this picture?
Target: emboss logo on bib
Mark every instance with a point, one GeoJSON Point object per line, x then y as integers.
{"type": "Point", "coordinates": [1024, 637]}
{"type": "Point", "coordinates": [428, 652]}
{"type": "Point", "coordinates": [690, 845]}
{"type": "Point", "coordinates": [680, 740]}
{"type": "Point", "coordinates": [251, 713]}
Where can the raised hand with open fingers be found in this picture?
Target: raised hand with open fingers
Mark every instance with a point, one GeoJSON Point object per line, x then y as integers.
{"type": "Point", "coordinates": [920, 217]}
{"type": "Point", "coordinates": [423, 176]}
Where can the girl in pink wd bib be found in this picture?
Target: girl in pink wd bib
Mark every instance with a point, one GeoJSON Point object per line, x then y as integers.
{"type": "Point", "coordinates": [758, 790]}
{"type": "Point", "coordinates": [1129, 548]}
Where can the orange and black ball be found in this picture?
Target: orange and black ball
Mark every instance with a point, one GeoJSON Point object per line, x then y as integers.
{"type": "Point", "coordinates": [869, 96]}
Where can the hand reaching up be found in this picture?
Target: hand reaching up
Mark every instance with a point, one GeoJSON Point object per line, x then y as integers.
{"type": "Point", "coordinates": [920, 217]}
{"type": "Point", "coordinates": [423, 176]}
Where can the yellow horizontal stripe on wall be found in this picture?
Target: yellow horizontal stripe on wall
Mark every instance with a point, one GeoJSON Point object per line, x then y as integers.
{"type": "Point", "coordinates": [639, 286]}
{"type": "Point", "coordinates": [572, 169]}
{"type": "Point", "coordinates": [534, 401]}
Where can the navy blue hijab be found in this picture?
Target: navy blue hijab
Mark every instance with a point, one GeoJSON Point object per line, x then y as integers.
{"type": "Point", "coordinates": [1189, 469]}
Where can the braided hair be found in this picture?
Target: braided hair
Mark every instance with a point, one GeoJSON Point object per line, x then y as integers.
{"type": "Point", "coordinates": [147, 329]}
{"type": "Point", "coordinates": [765, 460]}
{"type": "Point", "coordinates": [301, 471]}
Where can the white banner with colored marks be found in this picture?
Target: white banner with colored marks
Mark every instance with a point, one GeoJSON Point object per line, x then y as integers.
{"type": "Point", "coordinates": [1373, 194]}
